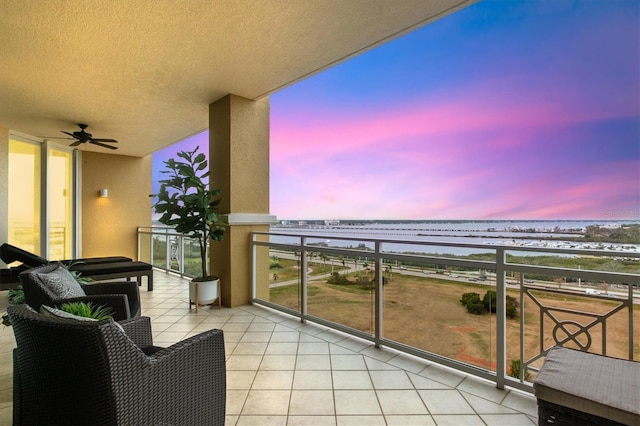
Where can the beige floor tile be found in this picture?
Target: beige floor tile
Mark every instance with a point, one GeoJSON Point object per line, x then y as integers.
{"type": "Point", "coordinates": [443, 375]}
{"type": "Point", "coordinates": [397, 402]}
{"type": "Point", "coordinates": [250, 348]}
{"type": "Point", "coordinates": [285, 336]}
{"type": "Point", "coordinates": [262, 421]}
{"type": "Point", "coordinates": [313, 362]}
{"type": "Point", "coordinates": [243, 362]}
{"type": "Point", "coordinates": [282, 348]}
{"type": "Point", "coordinates": [312, 380]}
{"type": "Point", "coordinates": [521, 402]}
{"type": "Point", "coordinates": [507, 420]}
{"type": "Point", "coordinates": [420, 382]}
{"type": "Point", "coordinates": [266, 379]}
{"type": "Point", "coordinates": [261, 326]}
{"type": "Point", "coordinates": [352, 380]}
{"type": "Point", "coordinates": [458, 420]}
{"type": "Point", "coordinates": [484, 406]}
{"type": "Point", "coordinates": [235, 401]}
{"type": "Point", "coordinates": [408, 420]}
{"type": "Point", "coordinates": [361, 420]}
{"type": "Point", "coordinates": [311, 403]}
{"type": "Point", "coordinates": [237, 379]}
{"type": "Point", "coordinates": [348, 362]}
{"type": "Point", "coordinates": [356, 402]}
{"type": "Point", "coordinates": [312, 348]}
{"type": "Point", "coordinates": [256, 337]}
{"type": "Point", "coordinates": [271, 402]}
{"type": "Point", "coordinates": [445, 402]}
{"type": "Point", "coordinates": [414, 365]}
{"type": "Point", "coordinates": [278, 362]}
{"type": "Point", "coordinates": [482, 388]}
{"type": "Point", "coordinates": [394, 379]}
{"type": "Point", "coordinates": [311, 421]}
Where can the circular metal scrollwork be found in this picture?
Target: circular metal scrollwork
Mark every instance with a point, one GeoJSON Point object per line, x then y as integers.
{"type": "Point", "coordinates": [572, 331]}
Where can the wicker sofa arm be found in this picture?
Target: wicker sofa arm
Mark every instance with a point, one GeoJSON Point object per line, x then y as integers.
{"type": "Point", "coordinates": [130, 288]}
{"type": "Point", "coordinates": [138, 330]}
{"type": "Point", "coordinates": [194, 369]}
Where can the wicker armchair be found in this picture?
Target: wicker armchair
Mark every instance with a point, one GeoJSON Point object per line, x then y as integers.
{"type": "Point", "coordinates": [90, 372]}
{"type": "Point", "coordinates": [123, 297]}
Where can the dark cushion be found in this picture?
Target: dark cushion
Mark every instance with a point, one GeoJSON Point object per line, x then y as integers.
{"type": "Point", "coordinates": [92, 260]}
{"type": "Point", "coordinates": [598, 385]}
{"type": "Point", "coordinates": [91, 269]}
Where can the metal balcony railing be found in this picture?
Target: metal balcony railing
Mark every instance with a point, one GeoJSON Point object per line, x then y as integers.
{"type": "Point", "coordinates": [407, 295]}
{"type": "Point", "coordinates": [168, 250]}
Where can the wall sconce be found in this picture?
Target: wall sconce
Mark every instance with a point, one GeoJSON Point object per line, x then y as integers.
{"type": "Point", "coordinates": [104, 193]}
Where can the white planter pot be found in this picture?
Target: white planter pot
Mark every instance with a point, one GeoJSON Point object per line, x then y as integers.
{"type": "Point", "coordinates": [204, 292]}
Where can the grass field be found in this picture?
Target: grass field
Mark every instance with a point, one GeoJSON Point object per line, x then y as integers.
{"type": "Point", "coordinates": [425, 312]}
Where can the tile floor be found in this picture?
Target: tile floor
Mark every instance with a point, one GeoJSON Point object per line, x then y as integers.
{"type": "Point", "coordinates": [283, 372]}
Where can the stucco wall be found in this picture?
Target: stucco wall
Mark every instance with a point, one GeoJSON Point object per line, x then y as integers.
{"type": "Point", "coordinates": [109, 225]}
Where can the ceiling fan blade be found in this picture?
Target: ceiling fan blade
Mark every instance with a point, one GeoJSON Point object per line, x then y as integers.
{"type": "Point", "coordinates": [70, 134]}
{"type": "Point", "coordinates": [76, 143]}
{"type": "Point", "coordinates": [104, 140]}
{"type": "Point", "coordinates": [102, 145]}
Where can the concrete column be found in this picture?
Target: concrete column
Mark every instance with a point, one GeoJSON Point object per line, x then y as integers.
{"type": "Point", "coordinates": [239, 166]}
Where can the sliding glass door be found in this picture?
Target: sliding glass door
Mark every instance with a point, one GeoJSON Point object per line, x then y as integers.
{"type": "Point", "coordinates": [41, 198]}
{"type": "Point", "coordinates": [25, 195]}
{"type": "Point", "coordinates": [60, 203]}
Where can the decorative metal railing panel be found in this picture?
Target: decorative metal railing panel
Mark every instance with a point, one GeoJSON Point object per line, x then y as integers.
{"type": "Point", "coordinates": [167, 250]}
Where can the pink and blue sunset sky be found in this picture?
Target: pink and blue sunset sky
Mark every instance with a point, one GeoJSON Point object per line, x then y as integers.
{"type": "Point", "coordinates": [504, 110]}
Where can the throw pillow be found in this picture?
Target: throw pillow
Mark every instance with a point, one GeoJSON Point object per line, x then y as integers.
{"type": "Point", "coordinates": [50, 312]}
{"type": "Point", "coordinates": [62, 284]}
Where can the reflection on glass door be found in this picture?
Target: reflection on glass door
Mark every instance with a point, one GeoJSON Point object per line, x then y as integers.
{"type": "Point", "coordinates": [60, 207]}
{"type": "Point", "coordinates": [24, 195]}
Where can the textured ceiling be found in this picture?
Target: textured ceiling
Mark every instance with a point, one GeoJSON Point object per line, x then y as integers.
{"type": "Point", "coordinates": [144, 71]}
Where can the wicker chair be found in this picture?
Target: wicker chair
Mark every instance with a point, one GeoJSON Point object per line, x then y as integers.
{"type": "Point", "coordinates": [89, 372]}
{"type": "Point", "coordinates": [123, 297]}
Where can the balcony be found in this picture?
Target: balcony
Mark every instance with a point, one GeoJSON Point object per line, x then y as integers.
{"type": "Point", "coordinates": [283, 371]}
{"type": "Point", "coordinates": [363, 354]}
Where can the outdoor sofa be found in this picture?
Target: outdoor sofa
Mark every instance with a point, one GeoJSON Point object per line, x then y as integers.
{"type": "Point", "coordinates": [69, 371]}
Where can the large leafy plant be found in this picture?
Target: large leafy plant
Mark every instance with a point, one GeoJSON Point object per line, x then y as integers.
{"type": "Point", "coordinates": [188, 204]}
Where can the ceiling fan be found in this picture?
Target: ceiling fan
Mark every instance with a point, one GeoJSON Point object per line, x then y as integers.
{"type": "Point", "coordinates": [84, 137]}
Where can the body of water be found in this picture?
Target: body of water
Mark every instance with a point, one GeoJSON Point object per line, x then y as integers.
{"type": "Point", "coordinates": [489, 233]}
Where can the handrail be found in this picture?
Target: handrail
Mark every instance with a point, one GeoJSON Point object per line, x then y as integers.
{"type": "Point", "coordinates": [373, 250]}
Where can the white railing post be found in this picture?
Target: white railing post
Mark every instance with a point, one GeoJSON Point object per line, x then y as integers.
{"type": "Point", "coordinates": [303, 278]}
{"type": "Point", "coordinates": [501, 318]}
{"type": "Point", "coordinates": [379, 288]}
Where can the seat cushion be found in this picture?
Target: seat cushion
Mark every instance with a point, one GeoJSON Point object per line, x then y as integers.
{"type": "Point", "coordinates": [598, 385]}
{"type": "Point", "coordinates": [93, 269]}
{"type": "Point", "coordinates": [61, 283]}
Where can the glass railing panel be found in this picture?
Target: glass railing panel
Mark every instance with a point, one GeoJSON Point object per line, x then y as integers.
{"type": "Point", "coordinates": [424, 309]}
{"type": "Point", "coordinates": [283, 276]}
{"type": "Point", "coordinates": [344, 296]}
{"type": "Point", "coordinates": [191, 257]}
{"type": "Point", "coordinates": [159, 251]}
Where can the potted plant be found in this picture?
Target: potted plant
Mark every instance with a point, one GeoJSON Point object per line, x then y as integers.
{"type": "Point", "coordinates": [188, 204]}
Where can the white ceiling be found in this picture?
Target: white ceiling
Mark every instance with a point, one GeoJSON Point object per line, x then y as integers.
{"type": "Point", "coordinates": [144, 71]}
